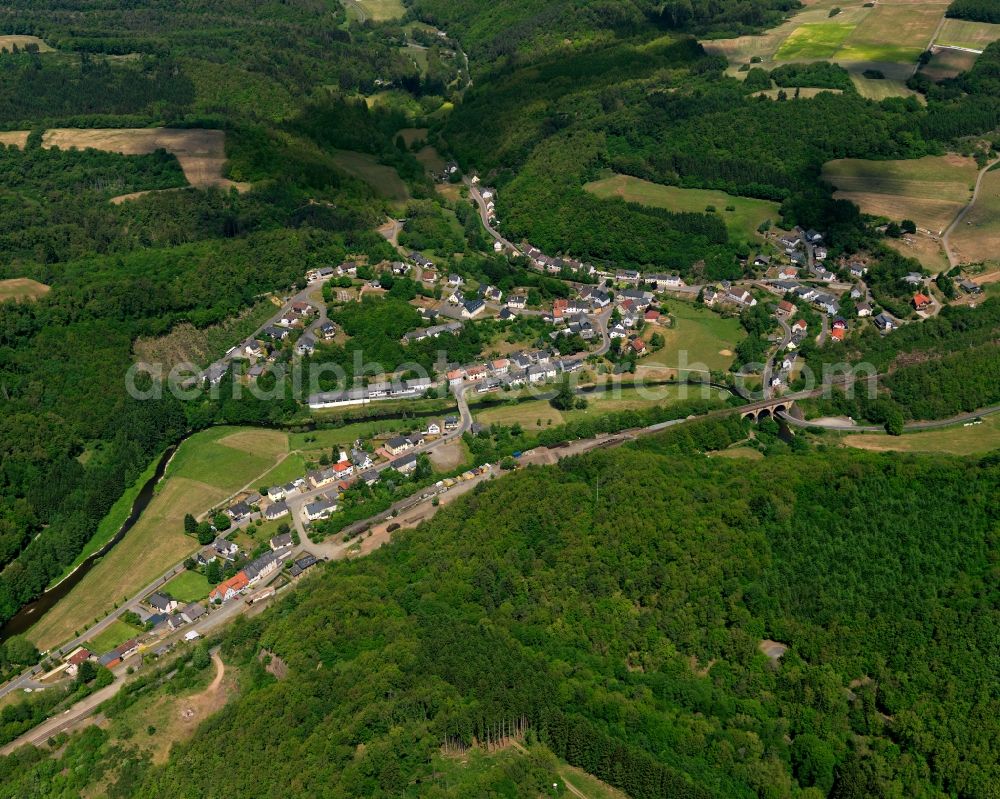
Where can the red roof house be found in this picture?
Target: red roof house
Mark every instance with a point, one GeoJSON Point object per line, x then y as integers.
{"type": "Point", "coordinates": [921, 301]}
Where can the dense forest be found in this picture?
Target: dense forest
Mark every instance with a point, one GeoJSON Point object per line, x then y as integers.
{"type": "Point", "coordinates": [623, 630]}
{"type": "Point", "coordinates": [976, 10]}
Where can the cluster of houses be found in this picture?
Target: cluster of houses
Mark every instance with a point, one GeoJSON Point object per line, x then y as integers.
{"type": "Point", "coordinates": [520, 369]}
{"type": "Point", "coordinates": [381, 390]}
{"type": "Point", "coordinates": [726, 294]}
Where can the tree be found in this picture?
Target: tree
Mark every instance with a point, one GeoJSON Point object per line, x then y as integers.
{"type": "Point", "coordinates": [221, 521]}
{"type": "Point", "coordinates": [206, 535]}
{"type": "Point", "coordinates": [908, 226]}
{"type": "Point", "coordinates": [201, 658]}
{"type": "Point", "coordinates": [565, 397]}
{"type": "Point", "coordinates": [85, 672]}
{"type": "Point", "coordinates": [813, 762]}
{"type": "Point", "coordinates": [190, 524]}
{"type": "Point", "coordinates": [213, 572]}
{"type": "Point", "coordinates": [894, 424]}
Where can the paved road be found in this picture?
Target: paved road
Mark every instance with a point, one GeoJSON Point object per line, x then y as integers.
{"type": "Point", "coordinates": [909, 427]}
{"type": "Point", "coordinates": [786, 337]}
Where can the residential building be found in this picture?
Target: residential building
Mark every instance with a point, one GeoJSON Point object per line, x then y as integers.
{"type": "Point", "coordinates": [275, 510]}
{"type": "Point", "coordinates": [921, 301]}
{"type": "Point", "coordinates": [280, 541]}
{"type": "Point", "coordinates": [404, 465]}
{"type": "Point", "coordinates": [884, 322]}
{"type": "Point", "coordinates": [398, 445]}
{"type": "Point", "coordinates": [161, 602]}
{"type": "Point", "coordinates": [225, 548]}
{"type": "Point", "coordinates": [191, 613]}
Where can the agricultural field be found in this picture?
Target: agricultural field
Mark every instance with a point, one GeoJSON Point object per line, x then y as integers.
{"type": "Point", "coordinates": [929, 190]}
{"type": "Point", "coordinates": [292, 467]}
{"type": "Point", "coordinates": [802, 93]}
{"type": "Point", "coordinates": [893, 34]}
{"type": "Point", "coordinates": [815, 41]}
{"type": "Point", "coordinates": [9, 41]}
{"type": "Point", "coordinates": [958, 440]}
{"type": "Point", "coordinates": [972, 35]}
{"type": "Point", "coordinates": [14, 138]}
{"type": "Point", "coordinates": [317, 441]}
{"type": "Point", "coordinates": [208, 468]}
{"type": "Point", "coordinates": [384, 179]}
{"type": "Point", "coordinates": [948, 64]}
{"type": "Point", "coordinates": [926, 249]}
{"type": "Point", "coordinates": [189, 586]}
{"type": "Point", "coordinates": [201, 153]}
{"type": "Point", "coordinates": [976, 239]}
{"type": "Point", "coordinates": [22, 288]}
{"type": "Point", "coordinates": [118, 632]}
{"type": "Point", "coordinates": [705, 339]}
{"type": "Point", "coordinates": [887, 38]}
{"type": "Point", "coordinates": [742, 222]}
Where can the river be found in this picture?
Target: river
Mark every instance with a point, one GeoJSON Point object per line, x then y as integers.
{"type": "Point", "coordinates": [32, 612]}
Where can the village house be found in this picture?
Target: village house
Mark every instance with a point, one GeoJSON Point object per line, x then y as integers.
{"type": "Point", "coordinates": [884, 322]}
{"type": "Point", "coordinates": [191, 613]}
{"type": "Point", "coordinates": [343, 469]}
{"type": "Point", "coordinates": [280, 541]}
{"type": "Point", "coordinates": [320, 509]}
{"type": "Point", "coordinates": [238, 512]}
{"type": "Point", "coordinates": [472, 308]}
{"type": "Point", "coordinates": [398, 445]}
{"type": "Point", "coordinates": [799, 326]}
{"type": "Point", "coordinates": [420, 260]}
{"type": "Point", "coordinates": [788, 273]}
{"type": "Point", "coordinates": [455, 377]}
{"type": "Point", "coordinates": [451, 423]}
{"type": "Point", "coordinates": [230, 588]}
{"type": "Point", "coordinates": [276, 333]}
{"type": "Point", "coordinates": [321, 477]}
{"type": "Point", "coordinates": [119, 653]}
{"type": "Point", "coordinates": [429, 276]}
{"type": "Point", "coordinates": [275, 510]}
{"type": "Point", "coordinates": [433, 429]}
{"type": "Point", "coordinates": [492, 294]}
{"type": "Point", "coordinates": [785, 308]}
{"type": "Point", "coordinates": [762, 261]}
{"type": "Point", "coordinates": [627, 276]}
{"type": "Point", "coordinates": [638, 346]}
{"type": "Point", "coordinates": [306, 345]}
{"type": "Point", "coordinates": [970, 287]}
{"type": "Point", "coordinates": [665, 282]}
{"type": "Point", "coordinates": [161, 602]}
{"type": "Point", "coordinates": [260, 567]}
{"type": "Point", "coordinates": [857, 269]}
{"type": "Point", "coordinates": [740, 296]}
{"type": "Point", "coordinates": [254, 349]}
{"type": "Point", "coordinates": [921, 301]}
{"type": "Point", "coordinates": [303, 563]}
{"type": "Point", "coordinates": [361, 459]}
{"type": "Point", "coordinates": [78, 656]}
{"type": "Point", "coordinates": [346, 269]}
{"type": "Point", "coordinates": [477, 372]}
{"type": "Point", "coordinates": [404, 465]}
{"type": "Point", "coordinates": [914, 279]}
{"type": "Point", "coordinates": [864, 309]}
{"type": "Point", "coordinates": [225, 548]}
{"type": "Point", "coordinates": [517, 301]}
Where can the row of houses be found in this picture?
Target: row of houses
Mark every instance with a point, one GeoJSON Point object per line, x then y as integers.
{"type": "Point", "coordinates": [397, 389]}
{"type": "Point", "coordinates": [252, 573]}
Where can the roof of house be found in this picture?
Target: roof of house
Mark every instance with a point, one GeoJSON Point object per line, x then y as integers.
{"type": "Point", "coordinates": [159, 600]}
{"type": "Point", "coordinates": [194, 610]}
{"type": "Point", "coordinates": [921, 299]}
{"type": "Point", "coordinates": [79, 656]}
{"type": "Point", "coordinates": [397, 442]}
{"type": "Point", "coordinates": [279, 541]}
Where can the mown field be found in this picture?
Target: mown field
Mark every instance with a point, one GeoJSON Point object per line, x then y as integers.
{"type": "Point", "coordinates": [207, 468]}
{"type": "Point", "coordinates": [958, 440]}
{"type": "Point", "coordinates": [962, 33]}
{"type": "Point", "coordinates": [374, 10]}
{"type": "Point", "coordinates": [893, 33]}
{"type": "Point", "coordinates": [9, 41]}
{"type": "Point", "coordinates": [21, 288]}
{"type": "Point", "coordinates": [977, 238]}
{"type": "Point", "coordinates": [190, 586]}
{"type": "Point", "coordinates": [929, 190]}
{"type": "Point", "coordinates": [700, 339]}
{"type": "Point", "coordinates": [384, 179]}
{"type": "Point", "coordinates": [118, 632]}
{"type": "Point", "coordinates": [528, 413]}
{"type": "Point", "coordinates": [742, 221]}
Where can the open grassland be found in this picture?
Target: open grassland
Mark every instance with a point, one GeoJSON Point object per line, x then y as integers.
{"type": "Point", "coordinates": [118, 632]}
{"type": "Point", "coordinates": [9, 41]}
{"type": "Point", "coordinates": [22, 288]}
{"type": "Point", "coordinates": [528, 412]}
{"type": "Point", "coordinates": [384, 179]}
{"type": "Point", "coordinates": [973, 35]}
{"type": "Point", "coordinates": [893, 33]}
{"type": "Point", "coordinates": [201, 153]}
{"type": "Point", "coordinates": [187, 587]}
{"type": "Point", "coordinates": [410, 135]}
{"type": "Point", "coordinates": [229, 458]}
{"type": "Point", "coordinates": [207, 468]}
{"type": "Point", "coordinates": [976, 239]}
{"type": "Point", "coordinates": [929, 190]}
{"type": "Point", "coordinates": [742, 222]}
{"type": "Point", "coordinates": [343, 436]}
{"type": "Point", "coordinates": [291, 468]}
{"type": "Point", "coordinates": [958, 440]}
{"type": "Point", "coordinates": [948, 64]}
{"type": "Point", "coordinates": [699, 339]}
{"type": "Point", "coordinates": [746, 453]}
{"type": "Point", "coordinates": [374, 10]}
{"type": "Point", "coordinates": [924, 248]}
{"type": "Point", "coordinates": [186, 343]}
{"type": "Point", "coordinates": [430, 159]}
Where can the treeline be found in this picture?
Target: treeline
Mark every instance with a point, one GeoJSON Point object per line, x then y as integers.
{"type": "Point", "coordinates": [621, 626]}
{"type": "Point", "coordinates": [820, 75]}
{"type": "Point", "coordinates": [975, 10]}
